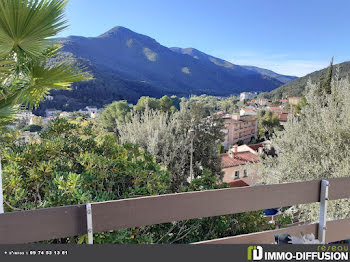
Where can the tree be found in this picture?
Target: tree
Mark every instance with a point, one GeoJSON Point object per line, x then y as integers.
{"type": "Point", "coordinates": [165, 104]}
{"type": "Point", "coordinates": [268, 123]}
{"type": "Point", "coordinates": [314, 146]}
{"type": "Point", "coordinates": [326, 82]}
{"type": "Point", "coordinates": [300, 105]}
{"type": "Point", "coordinates": [115, 114]}
{"type": "Point", "coordinates": [25, 47]}
{"type": "Point", "coordinates": [324, 87]}
{"type": "Point", "coordinates": [146, 101]}
{"type": "Point", "coordinates": [70, 167]}
{"type": "Point", "coordinates": [166, 137]}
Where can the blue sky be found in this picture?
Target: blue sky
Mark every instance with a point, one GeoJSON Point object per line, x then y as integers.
{"type": "Point", "coordinates": [292, 37]}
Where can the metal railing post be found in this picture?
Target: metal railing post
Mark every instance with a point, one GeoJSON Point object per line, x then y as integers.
{"type": "Point", "coordinates": [89, 224]}
{"type": "Point", "coordinates": [322, 227]}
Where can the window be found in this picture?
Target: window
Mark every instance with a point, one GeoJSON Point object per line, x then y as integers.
{"type": "Point", "coordinates": [236, 175]}
{"type": "Point", "coordinates": [245, 173]}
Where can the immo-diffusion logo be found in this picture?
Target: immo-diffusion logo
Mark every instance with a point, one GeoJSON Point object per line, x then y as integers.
{"type": "Point", "coordinates": [255, 253]}
{"type": "Point", "coordinates": [331, 253]}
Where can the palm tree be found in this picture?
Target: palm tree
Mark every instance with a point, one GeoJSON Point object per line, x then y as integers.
{"type": "Point", "coordinates": [26, 31]}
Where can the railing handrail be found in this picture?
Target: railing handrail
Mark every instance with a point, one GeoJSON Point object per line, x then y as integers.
{"type": "Point", "coordinates": [59, 222]}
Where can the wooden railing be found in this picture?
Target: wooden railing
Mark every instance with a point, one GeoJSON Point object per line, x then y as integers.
{"type": "Point", "coordinates": [59, 222]}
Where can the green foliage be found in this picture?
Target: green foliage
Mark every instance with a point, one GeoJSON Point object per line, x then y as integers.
{"type": "Point", "coordinates": [70, 167]}
{"type": "Point", "coordinates": [300, 105]}
{"type": "Point", "coordinates": [149, 102]}
{"type": "Point", "coordinates": [165, 104]}
{"type": "Point", "coordinates": [325, 85]}
{"type": "Point", "coordinates": [24, 49]}
{"type": "Point", "coordinates": [115, 114]}
{"type": "Point", "coordinates": [268, 123]}
{"type": "Point", "coordinates": [299, 86]}
{"type": "Point", "coordinates": [33, 128]}
{"type": "Point", "coordinates": [166, 137]}
{"type": "Point", "coordinates": [314, 146]}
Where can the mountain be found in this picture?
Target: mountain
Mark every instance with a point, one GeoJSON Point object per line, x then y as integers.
{"type": "Point", "coordinates": [127, 65]}
{"type": "Point", "coordinates": [239, 69]}
{"type": "Point", "coordinates": [298, 86]}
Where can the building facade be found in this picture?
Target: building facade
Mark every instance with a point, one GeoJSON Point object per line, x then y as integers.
{"type": "Point", "coordinates": [294, 100]}
{"type": "Point", "coordinates": [240, 128]}
{"type": "Point", "coordinates": [234, 164]}
{"type": "Point", "coordinates": [247, 96]}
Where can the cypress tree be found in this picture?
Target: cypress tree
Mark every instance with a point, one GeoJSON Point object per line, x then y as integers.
{"type": "Point", "coordinates": [326, 82]}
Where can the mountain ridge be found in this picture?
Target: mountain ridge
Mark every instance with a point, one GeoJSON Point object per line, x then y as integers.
{"type": "Point", "coordinates": [127, 65]}
{"type": "Point", "coordinates": [298, 86]}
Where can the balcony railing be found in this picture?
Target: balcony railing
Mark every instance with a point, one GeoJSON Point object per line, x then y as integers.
{"type": "Point", "coordinates": [59, 222]}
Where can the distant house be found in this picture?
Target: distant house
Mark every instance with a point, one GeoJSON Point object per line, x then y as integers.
{"type": "Point", "coordinates": [248, 112]}
{"type": "Point", "coordinates": [28, 136]}
{"type": "Point", "coordinates": [65, 114]}
{"type": "Point", "coordinates": [252, 102]}
{"type": "Point", "coordinates": [247, 96]}
{"type": "Point", "coordinates": [52, 112]}
{"type": "Point", "coordinates": [275, 109]}
{"type": "Point", "coordinates": [27, 117]}
{"type": "Point", "coordinates": [239, 128]}
{"type": "Point", "coordinates": [49, 98]}
{"type": "Point", "coordinates": [263, 101]}
{"type": "Point", "coordinates": [294, 100]}
{"type": "Point", "coordinates": [47, 120]}
{"type": "Point", "coordinates": [283, 117]}
{"type": "Point", "coordinates": [92, 111]}
{"type": "Point", "coordinates": [284, 101]}
{"type": "Point", "coordinates": [234, 164]}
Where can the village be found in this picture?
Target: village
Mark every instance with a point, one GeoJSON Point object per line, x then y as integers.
{"type": "Point", "coordinates": [241, 131]}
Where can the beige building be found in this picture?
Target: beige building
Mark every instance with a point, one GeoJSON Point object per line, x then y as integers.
{"type": "Point", "coordinates": [234, 164]}
{"type": "Point", "coordinates": [240, 128]}
{"type": "Point", "coordinates": [294, 100]}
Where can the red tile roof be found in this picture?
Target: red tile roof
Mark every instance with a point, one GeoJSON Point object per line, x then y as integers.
{"type": "Point", "coordinates": [248, 109]}
{"type": "Point", "coordinates": [256, 146]}
{"type": "Point", "coordinates": [275, 108]}
{"type": "Point", "coordinates": [238, 183]}
{"type": "Point", "coordinates": [239, 159]}
{"type": "Point", "coordinates": [283, 117]}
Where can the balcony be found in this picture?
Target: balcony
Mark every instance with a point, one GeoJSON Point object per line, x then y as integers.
{"type": "Point", "coordinates": [59, 222]}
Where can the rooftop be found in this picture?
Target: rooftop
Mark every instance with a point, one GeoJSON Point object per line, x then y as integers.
{"type": "Point", "coordinates": [238, 159]}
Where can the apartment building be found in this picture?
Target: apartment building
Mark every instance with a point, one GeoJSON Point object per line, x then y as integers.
{"type": "Point", "coordinates": [240, 128]}
{"type": "Point", "coordinates": [247, 96]}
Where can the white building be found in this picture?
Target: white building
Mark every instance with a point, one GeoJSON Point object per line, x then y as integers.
{"type": "Point", "coordinates": [26, 116]}
{"type": "Point", "coordinates": [52, 112]}
{"type": "Point", "coordinates": [248, 111]}
{"type": "Point", "coordinates": [247, 96]}
{"type": "Point", "coordinates": [27, 136]}
{"type": "Point", "coordinates": [92, 111]}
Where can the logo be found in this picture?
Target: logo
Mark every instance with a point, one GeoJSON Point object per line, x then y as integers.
{"type": "Point", "coordinates": [255, 253]}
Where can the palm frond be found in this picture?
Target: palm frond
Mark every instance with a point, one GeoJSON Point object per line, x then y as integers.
{"type": "Point", "coordinates": [44, 78]}
{"type": "Point", "coordinates": [26, 25]}
{"type": "Point", "coordinates": [8, 114]}
{"type": "Point", "coordinates": [7, 67]}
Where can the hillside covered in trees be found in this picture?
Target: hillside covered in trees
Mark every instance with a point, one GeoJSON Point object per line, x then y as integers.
{"type": "Point", "coordinates": [298, 86]}
{"type": "Point", "coordinates": [127, 65]}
